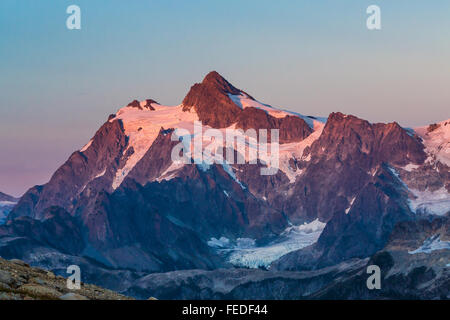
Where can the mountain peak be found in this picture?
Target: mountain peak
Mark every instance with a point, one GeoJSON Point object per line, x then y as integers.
{"type": "Point", "coordinates": [213, 75]}
{"type": "Point", "coordinates": [211, 101]}
{"type": "Point", "coordinates": [215, 80]}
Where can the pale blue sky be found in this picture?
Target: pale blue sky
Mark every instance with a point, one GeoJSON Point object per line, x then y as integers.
{"type": "Point", "coordinates": [58, 86]}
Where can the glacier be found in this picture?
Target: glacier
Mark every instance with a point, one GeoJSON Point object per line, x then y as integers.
{"type": "Point", "coordinates": [245, 253]}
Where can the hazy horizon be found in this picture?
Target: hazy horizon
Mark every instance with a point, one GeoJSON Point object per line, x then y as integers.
{"type": "Point", "coordinates": [58, 85]}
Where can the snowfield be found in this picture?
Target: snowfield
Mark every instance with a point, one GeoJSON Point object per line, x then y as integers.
{"type": "Point", "coordinates": [143, 125]}
{"type": "Point", "coordinates": [245, 253]}
{"type": "Point", "coordinates": [437, 202]}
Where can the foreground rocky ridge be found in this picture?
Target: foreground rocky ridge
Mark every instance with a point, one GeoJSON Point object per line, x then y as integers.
{"type": "Point", "coordinates": [411, 268]}
{"type": "Point", "coordinates": [19, 281]}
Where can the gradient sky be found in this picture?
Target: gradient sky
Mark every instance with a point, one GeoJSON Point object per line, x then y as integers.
{"type": "Point", "coordinates": [57, 86]}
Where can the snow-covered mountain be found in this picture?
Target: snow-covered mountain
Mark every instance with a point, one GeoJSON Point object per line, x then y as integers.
{"type": "Point", "coordinates": [436, 138]}
{"type": "Point", "coordinates": [121, 204]}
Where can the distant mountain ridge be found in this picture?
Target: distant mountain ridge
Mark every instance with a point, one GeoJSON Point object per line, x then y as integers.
{"type": "Point", "coordinates": [7, 202]}
{"type": "Point", "coordinates": [6, 197]}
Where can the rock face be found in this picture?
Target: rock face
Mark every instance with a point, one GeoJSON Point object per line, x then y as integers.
{"type": "Point", "coordinates": [19, 281]}
{"type": "Point", "coordinates": [211, 101]}
{"type": "Point", "coordinates": [98, 161]}
{"type": "Point", "coordinates": [123, 230]}
{"type": "Point", "coordinates": [291, 128]}
{"type": "Point", "coordinates": [142, 106]}
{"type": "Point", "coordinates": [121, 208]}
{"type": "Point", "coordinates": [350, 182]}
{"type": "Point", "coordinates": [405, 273]}
{"type": "Point", "coordinates": [359, 232]}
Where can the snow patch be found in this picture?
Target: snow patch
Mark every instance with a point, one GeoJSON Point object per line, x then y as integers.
{"type": "Point", "coordinates": [86, 146]}
{"type": "Point", "coordinates": [311, 227]}
{"type": "Point", "coordinates": [170, 172]}
{"type": "Point", "coordinates": [218, 243]}
{"type": "Point", "coordinates": [431, 244]}
{"type": "Point", "coordinates": [7, 203]}
{"type": "Point", "coordinates": [295, 150]}
{"type": "Point", "coordinates": [244, 101]}
{"type": "Point", "coordinates": [436, 202]}
{"type": "Point", "coordinates": [410, 167]}
{"type": "Point", "coordinates": [101, 174]}
{"type": "Point", "coordinates": [350, 206]}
